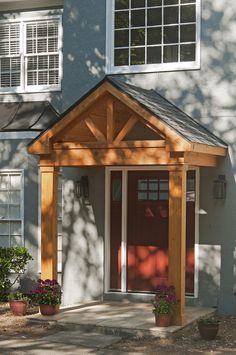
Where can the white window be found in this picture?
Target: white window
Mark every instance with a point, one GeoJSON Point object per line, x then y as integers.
{"type": "Point", "coordinates": [11, 209]}
{"type": "Point", "coordinates": [30, 55]}
{"type": "Point", "coordinates": [152, 35]}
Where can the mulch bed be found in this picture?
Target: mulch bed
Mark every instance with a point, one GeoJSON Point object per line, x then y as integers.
{"type": "Point", "coordinates": [14, 325]}
{"type": "Point", "coordinates": [184, 342]}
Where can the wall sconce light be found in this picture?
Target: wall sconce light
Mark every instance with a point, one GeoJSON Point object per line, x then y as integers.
{"type": "Point", "coordinates": [82, 187]}
{"type": "Point", "coordinates": [219, 188]}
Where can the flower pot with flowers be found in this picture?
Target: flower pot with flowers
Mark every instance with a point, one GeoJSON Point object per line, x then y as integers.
{"type": "Point", "coordinates": [164, 305]}
{"type": "Point", "coordinates": [47, 294]}
{"type": "Point", "coordinates": [208, 326]}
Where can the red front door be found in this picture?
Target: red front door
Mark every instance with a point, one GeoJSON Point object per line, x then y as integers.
{"type": "Point", "coordinates": [147, 229]}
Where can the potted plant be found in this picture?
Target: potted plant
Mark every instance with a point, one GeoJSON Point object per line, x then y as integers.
{"type": "Point", "coordinates": [164, 305]}
{"type": "Point", "coordinates": [208, 327]}
{"type": "Point", "coordinates": [47, 294]}
{"type": "Point", "coordinates": [18, 303]}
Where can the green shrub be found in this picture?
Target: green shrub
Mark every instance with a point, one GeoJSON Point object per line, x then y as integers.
{"type": "Point", "coordinates": [13, 261]}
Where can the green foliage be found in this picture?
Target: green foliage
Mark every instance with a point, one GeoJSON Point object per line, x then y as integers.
{"type": "Point", "coordinates": [13, 261]}
{"type": "Point", "coordinates": [18, 296]}
{"type": "Point", "coordinates": [209, 319]}
{"type": "Point", "coordinates": [47, 292]}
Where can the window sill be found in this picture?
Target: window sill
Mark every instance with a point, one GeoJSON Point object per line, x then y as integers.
{"type": "Point", "coordinates": [153, 68]}
{"type": "Point", "coordinates": [34, 89]}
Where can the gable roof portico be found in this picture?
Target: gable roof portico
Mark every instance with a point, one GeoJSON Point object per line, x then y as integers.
{"type": "Point", "coordinates": [120, 124]}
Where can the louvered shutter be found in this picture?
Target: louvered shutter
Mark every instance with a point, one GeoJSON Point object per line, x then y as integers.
{"type": "Point", "coordinates": [10, 59]}
{"type": "Point", "coordinates": [42, 53]}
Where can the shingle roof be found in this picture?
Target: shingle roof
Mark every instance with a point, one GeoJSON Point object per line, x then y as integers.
{"type": "Point", "coordinates": [26, 116]}
{"type": "Point", "coordinates": [171, 115]}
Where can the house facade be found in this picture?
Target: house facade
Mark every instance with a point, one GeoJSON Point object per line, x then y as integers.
{"type": "Point", "coordinates": [140, 186]}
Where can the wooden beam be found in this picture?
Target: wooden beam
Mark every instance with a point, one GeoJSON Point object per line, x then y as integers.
{"type": "Point", "coordinates": [49, 181]}
{"type": "Point", "coordinates": [95, 131]}
{"type": "Point", "coordinates": [177, 239]}
{"type": "Point", "coordinates": [126, 129]}
{"type": "Point", "coordinates": [177, 142]}
{"type": "Point", "coordinates": [99, 145]}
{"type": "Point", "coordinates": [110, 120]}
{"type": "Point", "coordinates": [199, 159]}
{"type": "Point", "coordinates": [111, 157]}
{"type": "Point", "coordinates": [208, 149]}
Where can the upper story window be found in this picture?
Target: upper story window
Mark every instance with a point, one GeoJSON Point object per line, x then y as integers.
{"type": "Point", "coordinates": [30, 55]}
{"type": "Point", "coordinates": [153, 35]}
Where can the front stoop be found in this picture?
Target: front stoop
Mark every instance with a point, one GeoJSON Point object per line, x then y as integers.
{"type": "Point", "coordinates": [120, 319]}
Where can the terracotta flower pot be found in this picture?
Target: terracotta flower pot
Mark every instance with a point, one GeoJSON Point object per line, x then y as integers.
{"type": "Point", "coordinates": [163, 320]}
{"type": "Point", "coordinates": [18, 307]}
{"type": "Point", "coordinates": [49, 309]}
{"type": "Point", "coordinates": [208, 331]}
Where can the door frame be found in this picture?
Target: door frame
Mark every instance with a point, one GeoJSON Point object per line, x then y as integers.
{"type": "Point", "coordinates": [125, 171]}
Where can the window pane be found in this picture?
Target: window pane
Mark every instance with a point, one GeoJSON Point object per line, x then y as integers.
{"type": "Point", "coordinates": [15, 182]}
{"type": "Point", "coordinates": [32, 78]}
{"type": "Point", "coordinates": [4, 197]}
{"type": "Point", "coordinates": [138, 37]}
{"type": "Point", "coordinates": [15, 197]}
{"type": "Point", "coordinates": [116, 190]}
{"type": "Point", "coordinates": [137, 56]}
{"type": "Point", "coordinates": [171, 2]}
{"type": "Point", "coordinates": [187, 33]}
{"type": "Point", "coordinates": [153, 55]}
{"type": "Point", "coordinates": [16, 241]}
{"type": "Point", "coordinates": [4, 241]}
{"type": "Point", "coordinates": [170, 54]}
{"type": "Point", "coordinates": [153, 185]}
{"type": "Point", "coordinates": [154, 35]}
{"type": "Point", "coordinates": [142, 184]}
{"type": "Point", "coordinates": [153, 196]}
{"type": "Point", "coordinates": [15, 228]}
{"type": "Point", "coordinates": [3, 211]}
{"type": "Point", "coordinates": [187, 1]}
{"type": "Point", "coordinates": [164, 185]}
{"type": "Point", "coordinates": [121, 57]}
{"type": "Point", "coordinates": [171, 34]}
{"type": "Point", "coordinates": [137, 3]}
{"type": "Point", "coordinates": [138, 18]}
{"type": "Point", "coordinates": [122, 19]}
{"type": "Point", "coordinates": [164, 196]}
{"type": "Point", "coordinates": [42, 78]}
{"type": "Point", "coordinates": [121, 4]}
{"type": "Point", "coordinates": [4, 181]}
{"type": "Point", "coordinates": [122, 38]}
{"type": "Point", "coordinates": [154, 2]}
{"type": "Point", "coordinates": [171, 15]}
{"type": "Point", "coordinates": [154, 17]}
{"type": "Point", "coordinates": [14, 212]}
{"type": "Point", "coordinates": [142, 196]}
{"type": "Point", "coordinates": [4, 228]}
{"type": "Point", "coordinates": [187, 52]}
{"type": "Point", "coordinates": [188, 13]}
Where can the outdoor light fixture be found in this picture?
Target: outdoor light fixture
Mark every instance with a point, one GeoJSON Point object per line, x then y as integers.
{"type": "Point", "coordinates": [82, 187]}
{"type": "Point", "coordinates": [219, 188]}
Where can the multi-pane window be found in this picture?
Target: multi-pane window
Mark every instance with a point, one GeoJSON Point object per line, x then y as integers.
{"type": "Point", "coordinates": [153, 189]}
{"type": "Point", "coordinates": [30, 55]}
{"type": "Point", "coordinates": [154, 34]}
{"type": "Point", "coordinates": [11, 209]}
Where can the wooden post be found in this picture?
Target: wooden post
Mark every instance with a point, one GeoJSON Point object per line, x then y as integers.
{"type": "Point", "coordinates": [49, 181]}
{"type": "Point", "coordinates": [177, 238]}
{"type": "Point", "coordinates": [110, 120]}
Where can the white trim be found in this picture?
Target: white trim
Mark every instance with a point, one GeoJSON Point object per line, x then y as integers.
{"type": "Point", "coordinates": [110, 68]}
{"type": "Point", "coordinates": [22, 205]}
{"type": "Point", "coordinates": [39, 221]}
{"type": "Point", "coordinates": [124, 231]}
{"type": "Point", "coordinates": [196, 249]}
{"type": "Point", "coordinates": [124, 171]}
{"type": "Point", "coordinates": [19, 135]}
{"type": "Point", "coordinates": [107, 230]}
{"type": "Point", "coordinates": [22, 19]}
